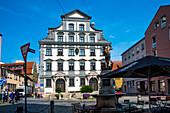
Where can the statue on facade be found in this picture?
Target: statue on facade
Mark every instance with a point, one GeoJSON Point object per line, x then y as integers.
{"type": "Point", "coordinates": [106, 51]}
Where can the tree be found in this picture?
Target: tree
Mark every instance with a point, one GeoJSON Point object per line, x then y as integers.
{"type": "Point", "coordinates": [35, 76]}
{"type": "Point", "coordinates": [86, 89]}
{"type": "Point", "coordinates": [58, 89]}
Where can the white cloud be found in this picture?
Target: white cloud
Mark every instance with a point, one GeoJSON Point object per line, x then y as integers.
{"type": "Point", "coordinates": [127, 30]}
{"type": "Point", "coordinates": [111, 36]}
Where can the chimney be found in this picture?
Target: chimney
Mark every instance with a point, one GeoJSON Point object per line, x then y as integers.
{"type": "Point", "coordinates": [0, 46]}
{"type": "Point", "coordinates": [93, 24]}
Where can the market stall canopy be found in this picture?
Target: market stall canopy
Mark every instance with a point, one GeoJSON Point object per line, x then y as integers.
{"type": "Point", "coordinates": [145, 67]}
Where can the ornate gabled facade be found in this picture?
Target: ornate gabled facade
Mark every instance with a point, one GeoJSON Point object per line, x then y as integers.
{"type": "Point", "coordinates": [72, 54]}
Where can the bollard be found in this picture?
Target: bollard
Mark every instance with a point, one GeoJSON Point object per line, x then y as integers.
{"type": "Point", "coordinates": [52, 106]}
{"type": "Point", "coordinates": [19, 109]}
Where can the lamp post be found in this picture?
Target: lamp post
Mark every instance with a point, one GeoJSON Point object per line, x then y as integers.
{"type": "Point", "coordinates": [0, 67]}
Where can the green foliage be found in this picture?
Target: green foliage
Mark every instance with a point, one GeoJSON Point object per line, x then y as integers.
{"type": "Point", "coordinates": [58, 89]}
{"type": "Point", "coordinates": [86, 89]}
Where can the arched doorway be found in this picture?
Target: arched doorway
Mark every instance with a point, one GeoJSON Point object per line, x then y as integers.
{"type": "Point", "coordinates": [94, 83]}
{"type": "Point", "coordinates": [61, 83]}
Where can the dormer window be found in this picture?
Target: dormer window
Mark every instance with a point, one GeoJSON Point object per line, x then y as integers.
{"type": "Point", "coordinates": [163, 22]}
{"type": "Point", "coordinates": [71, 26]}
{"type": "Point", "coordinates": [156, 24]}
{"type": "Point", "coordinates": [81, 27]}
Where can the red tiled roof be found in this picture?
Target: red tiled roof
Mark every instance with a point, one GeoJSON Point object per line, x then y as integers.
{"type": "Point", "coordinates": [29, 67]}
{"type": "Point", "coordinates": [116, 64]}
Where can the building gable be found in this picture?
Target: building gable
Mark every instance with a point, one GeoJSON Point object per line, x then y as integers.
{"type": "Point", "coordinates": [76, 14]}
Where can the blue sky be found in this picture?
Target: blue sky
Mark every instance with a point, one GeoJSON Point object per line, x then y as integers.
{"type": "Point", "coordinates": [123, 22]}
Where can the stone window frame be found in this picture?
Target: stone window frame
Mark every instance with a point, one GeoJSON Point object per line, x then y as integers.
{"type": "Point", "coordinates": [94, 66]}
{"type": "Point", "coordinates": [71, 52]}
{"type": "Point", "coordinates": [81, 27]}
{"type": "Point", "coordinates": [71, 65]}
{"type": "Point", "coordinates": [82, 51]}
{"type": "Point", "coordinates": [48, 83]}
{"type": "Point", "coordinates": [71, 26]}
{"type": "Point", "coordinates": [48, 52]}
{"type": "Point", "coordinates": [71, 82]}
{"type": "Point", "coordinates": [60, 53]}
{"type": "Point", "coordinates": [81, 83]}
{"type": "Point", "coordinates": [92, 52]}
{"type": "Point", "coordinates": [81, 62]}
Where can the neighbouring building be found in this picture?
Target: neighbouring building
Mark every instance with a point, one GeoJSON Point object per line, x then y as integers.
{"type": "Point", "coordinates": [72, 55]}
{"type": "Point", "coordinates": [13, 79]}
{"type": "Point", "coordinates": [137, 51]}
{"type": "Point", "coordinates": [18, 68]}
{"type": "Point", "coordinates": [156, 43]}
{"type": "Point", "coordinates": [157, 39]}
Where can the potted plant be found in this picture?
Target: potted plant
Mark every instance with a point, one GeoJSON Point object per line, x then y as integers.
{"type": "Point", "coordinates": [58, 90]}
{"type": "Point", "coordinates": [86, 89]}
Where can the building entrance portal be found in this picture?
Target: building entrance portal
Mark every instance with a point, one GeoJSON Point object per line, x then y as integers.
{"type": "Point", "coordinates": [60, 83]}
{"type": "Point", "coordinates": [94, 83]}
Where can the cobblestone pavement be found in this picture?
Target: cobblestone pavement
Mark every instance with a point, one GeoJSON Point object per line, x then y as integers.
{"type": "Point", "coordinates": [60, 106]}
{"type": "Point", "coordinates": [42, 106]}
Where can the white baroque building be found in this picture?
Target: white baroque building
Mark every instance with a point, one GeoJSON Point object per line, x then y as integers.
{"type": "Point", "coordinates": [72, 55]}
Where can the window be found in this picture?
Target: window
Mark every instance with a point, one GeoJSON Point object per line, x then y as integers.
{"type": "Point", "coordinates": [60, 39]}
{"type": "Point", "coordinates": [143, 47]}
{"type": "Point", "coordinates": [60, 52]}
{"type": "Point", "coordinates": [71, 66]}
{"type": "Point", "coordinates": [81, 27]}
{"type": "Point", "coordinates": [71, 26]}
{"type": "Point", "coordinates": [128, 55]}
{"type": "Point", "coordinates": [137, 49]}
{"type": "Point", "coordinates": [153, 86]}
{"type": "Point", "coordinates": [101, 52]}
{"type": "Point", "coordinates": [82, 81]}
{"type": "Point", "coordinates": [71, 52]}
{"type": "Point", "coordinates": [163, 22]}
{"type": "Point", "coordinates": [82, 52]}
{"type": "Point", "coordinates": [156, 24]}
{"type": "Point", "coordinates": [133, 52]}
{"type": "Point", "coordinates": [81, 39]}
{"type": "Point", "coordinates": [48, 66]}
{"type": "Point", "coordinates": [153, 42]}
{"type": "Point", "coordinates": [155, 53]}
{"type": "Point", "coordinates": [161, 85]}
{"type": "Point", "coordinates": [92, 66]}
{"type": "Point", "coordinates": [48, 52]}
{"type": "Point", "coordinates": [125, 57]}
{"type": "Point", "coordinates": [19, 78]}
{"type": "Point", "coordinates": [92, 52]}
{"type": "Point", "coordinates": [60, 66]}
{"type": "Point", "coordinates": [71, 39]}
{"type": "Point", "coordinates": [82, 66]}
{"type": "Point", "coordinates": [48, 82]}
{"type": "Point", "coordinates": [71, 82]}
{"type": "Point", "coordinates": [92, 39]}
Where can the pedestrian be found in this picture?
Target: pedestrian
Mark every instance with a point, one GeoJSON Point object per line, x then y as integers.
{"type": "Point", "coordinates": [41, 95]}
{"type": "Point", "coordinates": [6, 96]}
{"type": "Point", "coordinates": [16, 95]}
{"type": "Point", "coordinates": [12, 95]}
